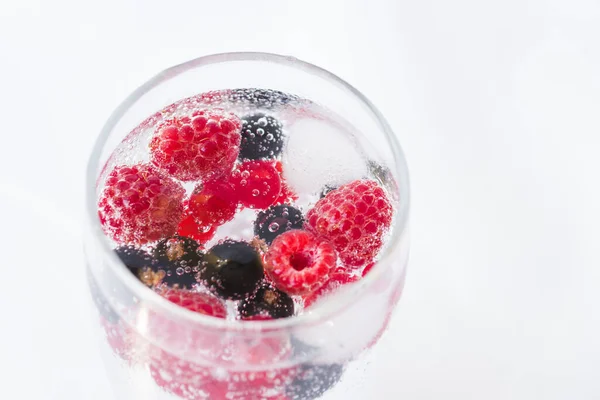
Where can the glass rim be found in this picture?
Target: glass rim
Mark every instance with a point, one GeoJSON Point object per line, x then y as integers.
{"type": "Point", "coordinates": [153, 299]}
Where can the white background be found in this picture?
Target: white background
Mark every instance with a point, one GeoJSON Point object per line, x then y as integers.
{"type": "Point", "coordinates": [497, 106]}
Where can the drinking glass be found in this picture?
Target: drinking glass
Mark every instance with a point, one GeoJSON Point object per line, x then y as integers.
{"type": "Point", "coordinates": [154, 349]}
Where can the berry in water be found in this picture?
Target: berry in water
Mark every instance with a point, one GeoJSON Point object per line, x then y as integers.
{"type": "Point", "coordinates": [202, 146]}
{"type": "Point", "coordinates": [299, 262]}
{"type": "Point", "coordinates": [286, 195]}
{"type": "Point", "coordinates": [139, 204]}
{"type": "Point", "coordinates": [312, 381]}
{"type": "Point", "coordinates": [337, 279]}
{"type": "Point", "coordinates": [326, 189]}
{"type": "Point", "coordinates": [134, 259]}
{"type": "Point", "coordinates": [178, 260]}
{"type": "Point", "coordinates": [232, 269]}
{"type": "Point", "coordinates": [202, 303]}
{"type": "Point", "coordinates": [266, 303]}
{"type": "Point", "coordinates": [209, 206]}
{"type": "Point", "coordinates": [213, 203]}
{"type": "Point", "coordinates": [354, 217]}
{"type": "Point", "coordinates": [262, 137]}
{"type": "Point", "coordinates": [141, 264]}
{"type": "Point", "coordinates": [260, 98]}
{"type": "Point", "coordinates": [257, 183]}
{"type": "Point", "coordinates": [191, 227]}
{"type": "Point", "coordinates": [367, 269]}
{"type": "Point", "coordinates": [380, 172]}
{"type": "Point", "coordinates": [275, 220]}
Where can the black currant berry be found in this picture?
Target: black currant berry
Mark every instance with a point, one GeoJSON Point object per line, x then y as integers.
{"type": "Point", "coordinates": [267, 301]}
{"type": "Point", "coordinates": [135, 259]}
{"type": "Point", "coordinates": [231, 269]}
{"type": "Point", "coordinates": [326, 189]}
{"type": "Point", "coordinates": [276, 220]}
{"type": "Point", "coordinates": [178, 261]}
{"type": "Point", "coordinates": [312, 381]}
{"type": "Point", "coordinates": [262, 137]}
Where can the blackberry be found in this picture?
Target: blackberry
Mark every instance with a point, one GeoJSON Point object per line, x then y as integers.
{"type": "Point", "coordinates": [312, 381]}
{"type": "Point", "coordinates": [260, 98]}
{"type": "Point", "coordinates": [178, 259]}
{"type": "Point", "coordinates": [262, 137]}
{"type": "Point", "coordinates": [276, 220]}
{"type": "Point", "coordinates": [326, 189]}
{"type": "Point", "coordinates": [380, 172]}
{"type": "Point", "coordinates": [301, 349]}
{"type": "Point", "coordinates": [267, 301]}
{"type": "Point", "coordinates": [232, 269]}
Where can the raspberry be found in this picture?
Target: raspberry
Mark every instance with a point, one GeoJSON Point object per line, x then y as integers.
{"type": "Point", "coordinates": [191, 381]}
{"type": "Point", "coordinates": [257, 184]}
{"type": "Point", "coordinates": [139, 204]}
{"type": "Point", "coordinates": [194, 382]}
{"type": "Point", "coordinates": [191, 227]}
{"type": "Point", "coordinates": [354, 217]}
{"type": "Point", "coordinates": [254, 384]}
{"type": "Point", "coordinates": [298, 262]}
{"type": "Point", "coordinates": [202, 146]}
{"type": "Point", "coordinates": [202, 303]}
{"type": "Point", "coordinates": [213, 203]}
{"type": "Point", "coordinates": [337, 279]}
{"type": "Point", "coordinates": [368, 269]}
{"type": "Point", "coordinates": [209, 206]}
{"type": "Point", "coordinates": [287, 195]}
{"type": "Point", "coordinates": [186, 380]}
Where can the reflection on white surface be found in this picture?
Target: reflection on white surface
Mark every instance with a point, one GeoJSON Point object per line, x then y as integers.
{"type": "Point", "coordinates": [496, 106]}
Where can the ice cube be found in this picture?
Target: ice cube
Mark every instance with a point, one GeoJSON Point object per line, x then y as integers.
{"type": "Point", "coordinates": [319, 153]}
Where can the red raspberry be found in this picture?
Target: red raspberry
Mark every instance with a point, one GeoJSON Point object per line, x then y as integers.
{"type": "Point", "coordinates": [298, 262]}
{"type": "Point", "coordinates": [354, 218]}
{"type": "Point", "coordinates": [261, 352]}
{"type": "Point", "coordinates": [204, 342]}
{"type": "Point", "coordinates": [140, 204]}
{"type": "Point", "coordinates": [209, 206]}
{"type": "Point", "coordinates": [367, 269]}
{"type": "Point", "coordinates": [337, 279]}
{"type": "Point", "coordinates": [182, 378]}
{"type": "Point", "coordinates": [202, 303]}
{"type": "Point", "coordinates": [257, 183]}
{"type": "Point", "coordinates": [287, 195]}
{"type": "Point", "coordinates": [202, 146]}
{"type": "Point", "coordinates": [192, 381]}
{"type": "Point", "coordinates": [190, 227]}
{"type": "Point", "coordinates": [195, 382]}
